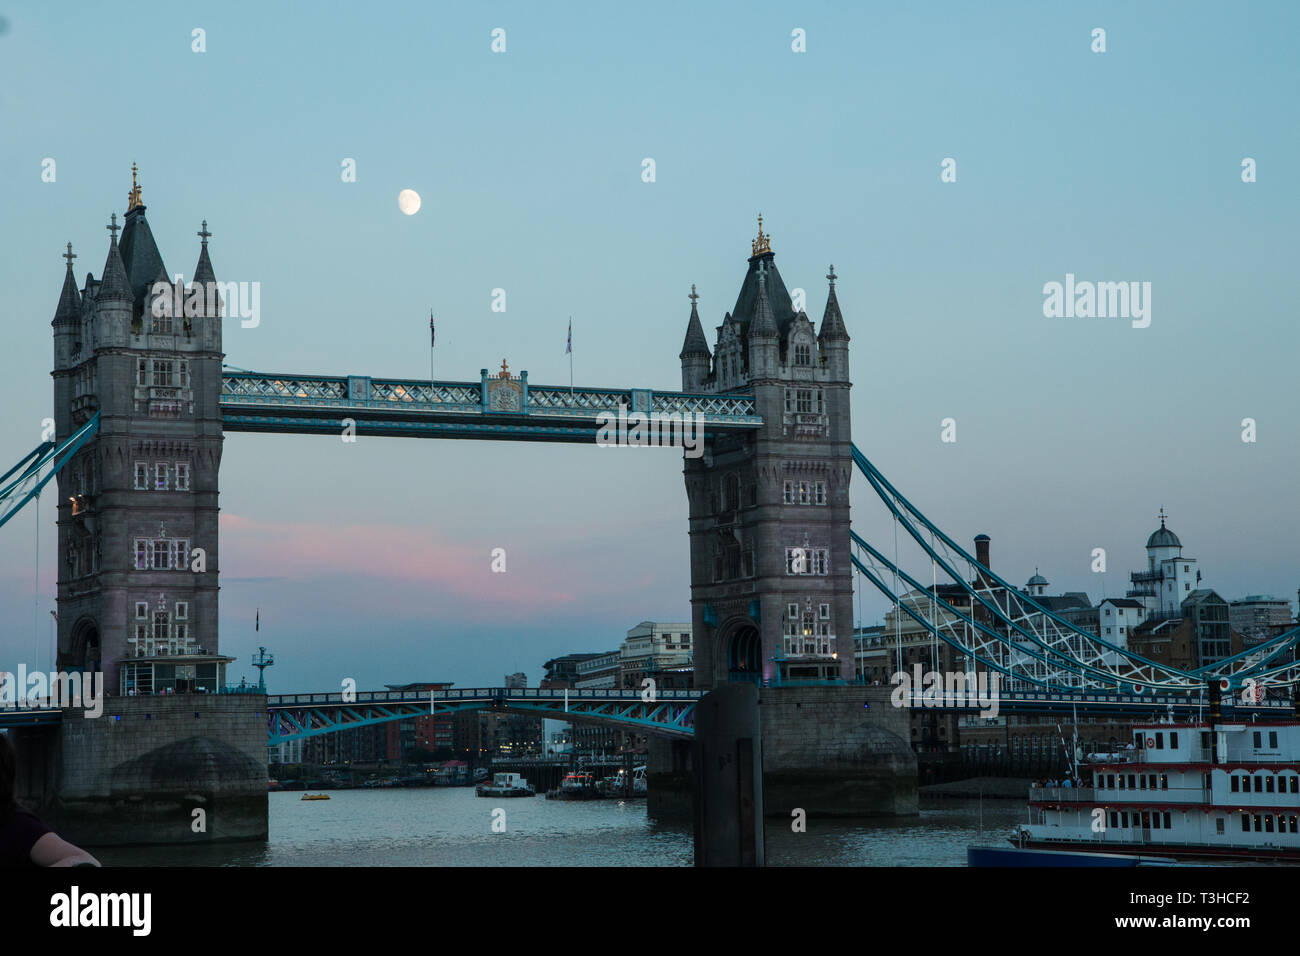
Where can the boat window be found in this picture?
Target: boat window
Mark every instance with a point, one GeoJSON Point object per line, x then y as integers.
{"type": "Point", "coordinates": [1124, 819]}
{"type": "Point", "coordinates": [1131, 784]}
{"type": "Point", "coordinates": [1268, 823]}
{"type": "Point", "coordinates": [1166, 819]}
{"type": "Point", "coordinates": [1146, 819]}
{"type": "Point", "coordinates": [1155, 821]}
{"type": "Point", "coordinates": [1205, 739]}
{"type": "Point", "coordinates": [1121, 781]}
{"type": "Point", "coordinates": [1293, 821]}
{"type": "Point", "coordinates": [1173, 740]}
{"type": "Point", "coordinates": [1114, 820]}
{"type": "Point", "coordinates": [1152, 781]}
{"type": "Point", "coordinates": [1218, 826]}
{"type": "Point", "coordinates": [1295, 784]}
{"type": "Point", "coordinates": [1272, 739]}
{"type": "Point", "coordinates": [1268, 784]}
{"type": "Point", "coordinates": [1258, 828]}
{"type": "Point", "coordinates": [1245, 823]}
{"type": "Point", "coordinates": [1236, 783]}
{"type": "Point", "coordinates": [1258, 740]}
{"type": "Point", "coordinates": [1164, 781]}
{"type": "Point", "coordinates": [1259, 784]}
{"type": "Point", "coordinates": [1160, 741]}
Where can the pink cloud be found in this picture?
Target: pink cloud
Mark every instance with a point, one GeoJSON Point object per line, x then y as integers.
{"type": "Point", "coordinates": [303, 551]}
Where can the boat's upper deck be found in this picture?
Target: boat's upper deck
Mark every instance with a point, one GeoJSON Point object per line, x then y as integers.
{"type": "Point", "coordinates": [1235, 743]}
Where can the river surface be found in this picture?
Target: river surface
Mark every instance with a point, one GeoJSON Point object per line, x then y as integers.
{"type": "Point", "coordinates": [450, 826]}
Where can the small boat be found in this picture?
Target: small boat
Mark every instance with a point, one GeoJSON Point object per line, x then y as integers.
{"type": "Point", "coordinates": [315, 796]}
{"type": "Point", "coordinates": [506, 785]}
{"type": "Point", "coordinates": [578, 785]}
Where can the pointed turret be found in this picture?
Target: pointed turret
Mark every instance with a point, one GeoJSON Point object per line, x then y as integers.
{"type": "Point", "coordinates": [140, 253]}
{"type": "Point", "coordinates": [764, 337]}
{"type": "Point", "coordinates": [695, 354]}
{"type": "Point", "coordinates": [833, 329]}
{"type": "Point", "coordinates": [114, 284]}
{"type": "Point", "coordinates": [203, 273]}
{"type": "Point", "coordinates": [69, 309]}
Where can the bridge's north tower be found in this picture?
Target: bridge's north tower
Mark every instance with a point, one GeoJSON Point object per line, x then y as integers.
{"type": "Point", "coordinates": [135, 600]}
{"type": "Point", "coordinates": [771, 581]}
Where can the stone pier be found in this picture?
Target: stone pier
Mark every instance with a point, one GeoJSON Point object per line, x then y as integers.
{"type": "Point", "coordinates": [138, 773]}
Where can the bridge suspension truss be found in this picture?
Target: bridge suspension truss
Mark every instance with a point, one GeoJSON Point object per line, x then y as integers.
{"type": "Point", "coordinates": [994, 626]}
{"type": "Point", "coordinates": [23, 482]}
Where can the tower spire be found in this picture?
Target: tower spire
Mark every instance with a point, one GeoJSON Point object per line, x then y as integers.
{"type": "Point", "coordinates": [833, 329]}
{"type": "Point", "coordinates": [133, 198]}
{"type": "Point", "coordinates": [69, 307]}
{"type": "Point", "coordinates": [203, 271]}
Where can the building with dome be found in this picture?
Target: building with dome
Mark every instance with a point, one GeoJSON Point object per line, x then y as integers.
{"type": "Point", "coordinates": [1169, 578]}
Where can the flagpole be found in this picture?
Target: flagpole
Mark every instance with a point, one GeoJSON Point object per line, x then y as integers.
{"type": "Point", "coordinates": [570, 356]}
{"type": "Point", "coordinates": [431, 355]}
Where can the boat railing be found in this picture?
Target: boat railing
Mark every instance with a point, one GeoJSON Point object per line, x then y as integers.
{"type": "Point", "coordinates": [1062, 793]}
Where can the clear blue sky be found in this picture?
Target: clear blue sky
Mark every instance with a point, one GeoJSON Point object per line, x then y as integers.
{"type": "Point", "coordinates": [372, 560]}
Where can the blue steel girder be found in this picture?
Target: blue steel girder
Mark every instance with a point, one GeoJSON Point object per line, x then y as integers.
{"type": "Point", "coordinates": [315, 404]}
{"type": "Point", "coordinates": [671, 714]}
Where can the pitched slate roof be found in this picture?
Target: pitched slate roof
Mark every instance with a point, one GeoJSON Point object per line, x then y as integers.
{"type": "Point", "coordinates": [140, 255]}
{"type": "Point", "coordinates": [778, 298]}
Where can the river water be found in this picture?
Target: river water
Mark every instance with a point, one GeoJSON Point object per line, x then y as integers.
{"type": "Point", "coordinates": [450, 826]}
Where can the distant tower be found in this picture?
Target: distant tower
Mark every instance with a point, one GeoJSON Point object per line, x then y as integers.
{"type": "Point", "coordinates": [1037, 585]}
{"type": "Point", "coordinates": [771, 580]}
{"type": "Point", "coordinates": [137, 500]}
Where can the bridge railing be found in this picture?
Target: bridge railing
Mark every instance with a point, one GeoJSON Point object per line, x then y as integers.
{"type": "Point", "coordinates": [475, 693]}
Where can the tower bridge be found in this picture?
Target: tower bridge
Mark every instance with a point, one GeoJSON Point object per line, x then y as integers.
{"type": "Point", "coordinates": [143, 403]}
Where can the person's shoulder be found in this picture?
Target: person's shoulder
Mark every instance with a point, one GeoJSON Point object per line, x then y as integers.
{"type": "Point", "coordinates": [19, 833]}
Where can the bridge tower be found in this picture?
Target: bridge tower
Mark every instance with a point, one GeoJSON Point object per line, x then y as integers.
{"type": "Point", "coordinates": [135, 599]}
{"type": "Point", "coordinates": [771, 580]}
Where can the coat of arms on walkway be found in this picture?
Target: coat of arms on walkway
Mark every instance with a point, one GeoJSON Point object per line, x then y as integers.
{"type": "Point", "coordinates": [505, 392]}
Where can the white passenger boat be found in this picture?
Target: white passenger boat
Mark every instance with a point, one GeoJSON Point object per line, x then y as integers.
{"type": "Point", "coordinates": [1182, 790]}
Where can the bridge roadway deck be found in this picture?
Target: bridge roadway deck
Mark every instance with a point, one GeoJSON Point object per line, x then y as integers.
{"type": "Point", "coordinates": [316, 404]}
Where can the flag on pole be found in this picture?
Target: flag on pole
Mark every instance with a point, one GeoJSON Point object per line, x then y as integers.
{"type": "Point", "coordinates": [430, 330]}
{"type": "Point", "coordinates": [568, 348]}
{"type": "Point", "coordinates": [257, 621]}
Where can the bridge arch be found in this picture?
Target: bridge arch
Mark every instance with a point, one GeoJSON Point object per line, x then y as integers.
{"type": "Point", "coordinates": [740, 651]}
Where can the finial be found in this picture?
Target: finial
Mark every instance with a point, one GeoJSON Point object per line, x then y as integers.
{"type": "Point", "coordinates": [69, 255]}
{"type": "Point", "coordinates": [113, 228]}
{"type": "Point", "coordinates": [831, 275]}
{"type": "Point", "coordinates": [204, 234]}
{"type": "Point", "coordinates": [693, 297]}
{"type": "Point", "coordinates": [134, 199]}
{"type": "Point", "coordinates": [763, 243]}
{"type": "Point", "coordinates": [762, 274]}
{"type": "Point", "coordinates": [505, 371]}
{"type": "Point", "coordinates": [1163, 516]}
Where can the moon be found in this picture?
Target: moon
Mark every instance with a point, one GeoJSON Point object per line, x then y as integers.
{"type": "Point", "coordinates": [408, 200]}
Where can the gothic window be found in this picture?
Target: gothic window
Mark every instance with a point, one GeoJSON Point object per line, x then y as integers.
{"type": "Point", "coordinates": [805, 493]}
{"type": "Point", "coordinates": [802, 354]}
{"type": "Point", "coordinates": [162, 372]}
{"type": "Point", "coordinates": [789, 492]}
{"type": "Point", "coordinates": [143, 554]}
{"type": "Point", "coordinates": [182, 476]}
{"type": "Point", "coordinates": [160, 476]}
{"type": "Point", "coordinates": [142, 372]}
{"type": "Point", "coordinates": [819, 493]}
{"type": "Point", "coordinates": [141, 476]}
{"type": "Point", "coordinates": [731, 493]}
{"type": "Point", "coordinates": [184, 374]}
{"type": "Point", "coordinates": [162, 554]}
{"type": "Point", "coordinates": [161, 324]}
{"type": "Point", "coordinates": [161, 631]}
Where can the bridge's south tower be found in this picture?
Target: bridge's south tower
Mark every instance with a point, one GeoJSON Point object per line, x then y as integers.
{"type": "Point", "coordinates": [134, 597]}
{"type": "Point", "coordinates": [771, 582]}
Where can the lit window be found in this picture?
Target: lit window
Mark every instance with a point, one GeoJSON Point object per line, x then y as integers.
{"type": "Point", "coordinates": [160, 476]}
